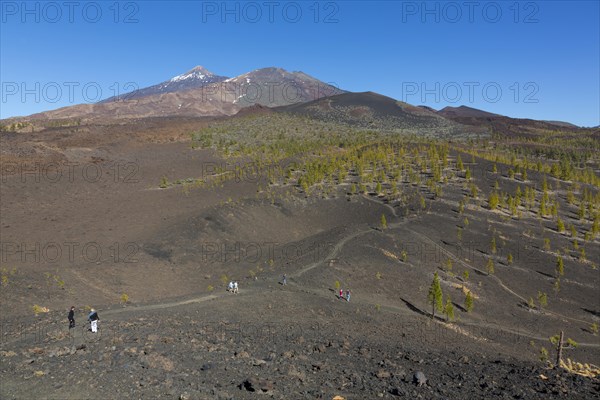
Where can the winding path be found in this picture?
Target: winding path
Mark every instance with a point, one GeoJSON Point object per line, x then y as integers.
{"type": "Point", "coordinates": [332, 254]}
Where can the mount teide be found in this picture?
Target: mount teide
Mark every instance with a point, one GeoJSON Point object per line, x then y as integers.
{"type": "Point", "coordinates": [199, 92]}
{"type": "Point", "coordinates": [195, 78]}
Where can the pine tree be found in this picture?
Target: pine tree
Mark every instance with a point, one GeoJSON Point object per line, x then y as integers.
{"type": "Point", "coordinates": [560, 225]}
{"type": "Point", "coordinates": [490, 266]}
{"type": "Point", "coordinates": [469, 302]}
{"type": "Point", "coordinates": [493, 200]}
{"type": "Point", "coordinates": [546, 244]}
{"type": "Point", "coordinates": [581, 211]}
{"type": "Point", "coordinates": [543, 299]}
{"type": "Point", "coordinates": [557, 285]}
{"type": "Point", "coordinates": [560, 266]}
{"type": "Point", "coordinates": [449, 310]}
{"type": "Point", "coordinates": [435, 296]}
{"type": "Point", "coordinates": [582, 254]}
{"type": "Point", "coordinates": [573, 230]}
{"type": "Point", "coordinates": [542, 211]}
{"type": "Point", "coordinates": [493, 245]}
{"type": "Point", "coordinates": [383, 221]}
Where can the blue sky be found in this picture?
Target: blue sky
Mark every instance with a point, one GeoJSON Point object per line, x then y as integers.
{"type": "Point", "coordinates": [537, 60]}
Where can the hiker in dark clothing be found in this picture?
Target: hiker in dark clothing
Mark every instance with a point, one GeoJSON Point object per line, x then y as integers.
{"type": "Point", "coordinates": [72, 317]}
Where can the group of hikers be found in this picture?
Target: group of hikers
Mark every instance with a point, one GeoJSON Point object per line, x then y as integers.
{"type": "Point", "coordinates": [347, 294]}
{"type": "Point", "coordinates": [232, 287]}
{"type": "Point", "coordinates": [92, 318]}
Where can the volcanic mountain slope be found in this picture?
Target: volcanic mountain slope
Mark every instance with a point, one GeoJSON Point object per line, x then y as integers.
{"type": "Point", "coordinates": [169, 324]}
{"type": "Point", "coordinates": [274, 87]}
{"type": "Point", "coordinates": [195, 78]}
{"type": "Point", "coordinates": [370, 110]}
{"type": "Point", "coordinates": [201, 93]}
{"type": "Point", "coordinates": [465, 112]}
{"type": "Point", "coordinates": [505, 125]}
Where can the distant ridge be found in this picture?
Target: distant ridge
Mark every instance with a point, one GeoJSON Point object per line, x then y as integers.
{"type": "Point", "coordinates": [464, 111]}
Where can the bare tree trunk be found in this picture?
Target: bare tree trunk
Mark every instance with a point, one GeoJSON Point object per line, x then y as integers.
{"type": "Point", "coordinates": [559, 347]}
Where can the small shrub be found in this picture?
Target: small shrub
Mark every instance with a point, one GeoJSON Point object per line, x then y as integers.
{"type": "Point", "coordinates": [543, 354]}
{"type": "Point", "coordinates": [224, 279]}
{"type": "Point", "coordinates": [547, 244]}
{"type": "Point", "coordinates": [448, 264]}
{"type": "Point", "coordinates": [164, 182]}
{"type": "Point", "coordinates": [39, 309]}
{"type": "Point", "coordinates": [543, 299]}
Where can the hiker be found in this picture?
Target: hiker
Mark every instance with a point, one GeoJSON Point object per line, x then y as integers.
{"type": "Point", "coordinates": [93, 318]}
{"type": "Point", "coordinates": [341, 293]}
{"type": "Point", "coordinates": [235, 287]}
{"type": "Point", "coordinates": [72, 317]}
{"type": "Point", "coordinates": [230, 286]}
{"type": "Point", "coordinates": [284, 280]}
{"type": "Point", "coordinates": [348, 295]}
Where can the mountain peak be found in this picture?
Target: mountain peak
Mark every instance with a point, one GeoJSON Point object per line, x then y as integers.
{"type": "Point", "coordinates": [200, 68]}
{"type": "Point", "coordinates": [198, 72]}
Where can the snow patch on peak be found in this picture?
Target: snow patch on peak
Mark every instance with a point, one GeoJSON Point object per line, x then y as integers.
{"type": "Point", "coordinates": [193, 75]}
